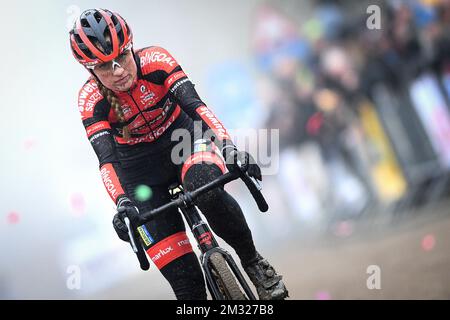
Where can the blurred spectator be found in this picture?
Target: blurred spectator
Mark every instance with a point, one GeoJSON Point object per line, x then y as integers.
{"type": "Point", "coordinates": [322, 70]}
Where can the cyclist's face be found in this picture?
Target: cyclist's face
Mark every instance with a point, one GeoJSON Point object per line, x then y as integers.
{"type": "Point", "coordinates": [119, 74]}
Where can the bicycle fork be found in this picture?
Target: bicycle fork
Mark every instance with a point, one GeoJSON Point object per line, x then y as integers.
{"type": "Point", "coordinates": [208, 245]}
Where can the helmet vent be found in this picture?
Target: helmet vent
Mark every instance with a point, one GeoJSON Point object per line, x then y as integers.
{"type": "Point", "coordinates": [114, 20]}
{"type": "Point", "coordinates": [98, 17]}
{"type": "Point", "coordinates": [85, 23]}
{"type": "Point", "coordinates": [120, 35]}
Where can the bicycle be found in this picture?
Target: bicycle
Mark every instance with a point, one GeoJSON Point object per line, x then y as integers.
{"type": "Point", "coordinates": [221, 271]}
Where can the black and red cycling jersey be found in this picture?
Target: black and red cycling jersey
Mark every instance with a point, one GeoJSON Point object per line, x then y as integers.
{"type": "Point", "coordinates": [161, 100]}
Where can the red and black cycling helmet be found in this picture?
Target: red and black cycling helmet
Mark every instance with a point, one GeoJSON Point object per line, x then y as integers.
{"type": "Point", "coordinates": [98, 36]}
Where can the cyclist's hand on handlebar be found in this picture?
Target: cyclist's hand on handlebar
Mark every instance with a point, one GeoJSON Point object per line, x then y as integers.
{"type": "Point", "coordinates": [125, 208]}
{"type": "Point", "coordinates": [247, 162]}
{"type": "Point", "coordinates": [127, 217]}
{"type": "Point", "coordinates": [120, 227]}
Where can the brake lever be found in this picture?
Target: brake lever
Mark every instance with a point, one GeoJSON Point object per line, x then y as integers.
{"type": "Point", "coordinates": [130, 234]}
{"type": "Point", "coordinates": [243, 168]}
{"type": "Point", "coordinates": [136, 246]}
{"type": "Point", "coordinates": [258, 184]}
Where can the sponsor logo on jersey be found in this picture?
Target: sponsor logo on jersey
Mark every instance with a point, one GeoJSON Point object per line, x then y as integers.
{"type": "Point", "coordinates": [156, 56]}
{"type": "Point", "coordinates": [151, 136]}
{"type": "Point", "coordinates": [88, 97]}
{"type": "Point", "coordinates": [145, 235]}
{"type": "Point", "coordinates": [213, 122]}
{"type": "Point", "coordinates": [169, 249]}
{"type": "Point", "coordinates": [179, 83]}
{"type": "Point", "coordinates": [148, 98]}
{"type": "Point", "coordinates": [96, 127]}
{"type": "Point", "coordinates": [109, 180]}
{"type": "Point", "coordinates": [153, 118]}
{"type": "Point", "coordinates": [97, 135]}
{"type": "Point", "coordinates": [184, 242]}
{"type": "Point", "coordinates": [173, 78]}
{"type": "Point", "coordinates": [126, 109]}
{"type": "Point", "coordinates": [161, 253]}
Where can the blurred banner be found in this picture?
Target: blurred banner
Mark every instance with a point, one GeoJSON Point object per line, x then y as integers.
{"type": "Point", "coordinates": [386, 174]}
{"type": "Point", "coordinates": [412, 147]}
{"type": "Point", "coordinates": [429, 102]}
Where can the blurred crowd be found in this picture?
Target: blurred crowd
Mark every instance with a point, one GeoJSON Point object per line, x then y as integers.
{"type": "Point", "coordinates": [359, 92]}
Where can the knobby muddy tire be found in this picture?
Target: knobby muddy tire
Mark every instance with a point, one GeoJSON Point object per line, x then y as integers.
{"type": "Point", "coordinates": [226, 280]}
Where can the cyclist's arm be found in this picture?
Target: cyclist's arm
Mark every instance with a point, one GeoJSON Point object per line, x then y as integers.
{"type": "Point", "coordinates": [182, 90]}
{"type": "Point", "coordinates": [189, 100]}
{"type": "Point", "coordinates": [99, 132]}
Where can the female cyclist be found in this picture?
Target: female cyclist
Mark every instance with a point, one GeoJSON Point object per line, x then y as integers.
{"type": "Point", "coordinates": [130, 106]}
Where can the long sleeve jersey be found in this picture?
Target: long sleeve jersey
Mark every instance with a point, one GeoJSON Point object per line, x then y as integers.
{"type": "Point", "coordinates": [158, 101]}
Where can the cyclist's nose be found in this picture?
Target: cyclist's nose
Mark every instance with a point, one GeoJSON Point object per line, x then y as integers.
{"type": "Point", "coordinates": [117, 69]}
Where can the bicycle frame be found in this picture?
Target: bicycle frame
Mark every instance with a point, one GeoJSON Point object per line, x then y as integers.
{"type": "Point", "coordinates": [208, 245]}
{"type": "Point", "coordinates": [184, 201]}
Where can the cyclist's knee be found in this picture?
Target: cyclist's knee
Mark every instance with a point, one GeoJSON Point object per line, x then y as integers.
{"type": "Point", "coordinates": [200, 174]}
{"type": "Point", "coordinates": [202, 166]}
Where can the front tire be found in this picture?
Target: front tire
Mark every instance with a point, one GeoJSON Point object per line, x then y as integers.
{"type": "Point", "coordinates": [225, 278]}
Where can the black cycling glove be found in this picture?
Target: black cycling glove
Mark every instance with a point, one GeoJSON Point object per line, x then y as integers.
{"type": "Point", "coordinates": [123, 207]}
{"type": "Point", "coordinates": [231, 154]}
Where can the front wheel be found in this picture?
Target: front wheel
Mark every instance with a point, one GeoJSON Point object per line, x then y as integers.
{"type": "Point", "coordinates": [225, 278]}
